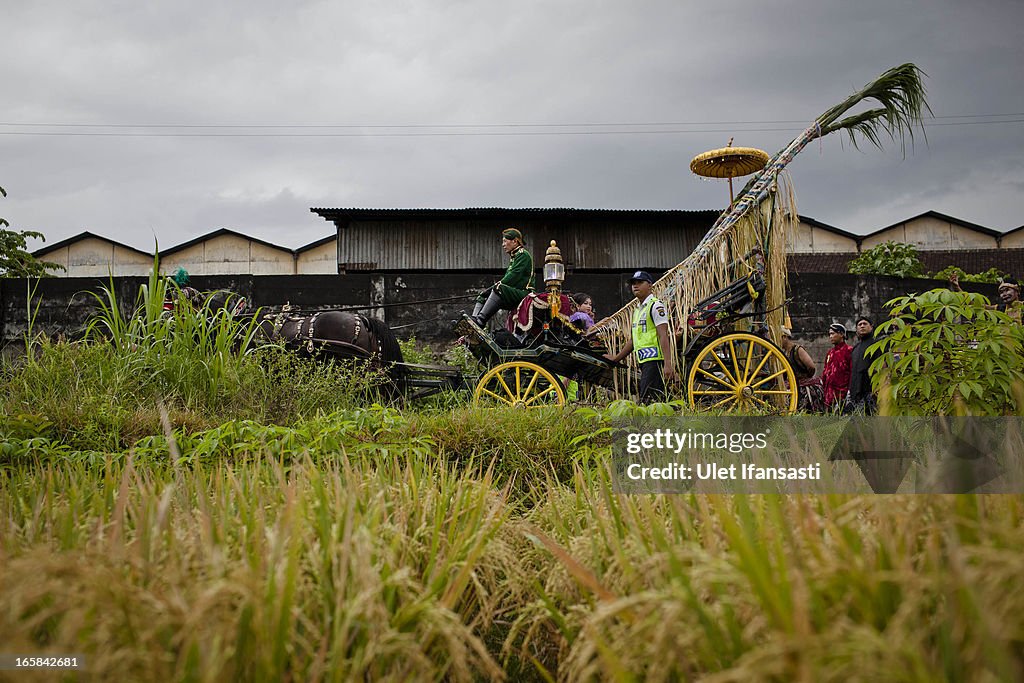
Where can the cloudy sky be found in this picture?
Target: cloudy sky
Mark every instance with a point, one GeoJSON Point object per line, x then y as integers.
{"type": "Point", "coordinates": [166, 120]}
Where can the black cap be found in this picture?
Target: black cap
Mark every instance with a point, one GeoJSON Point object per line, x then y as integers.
{"type": "Point", "coordinates": [641, 276]}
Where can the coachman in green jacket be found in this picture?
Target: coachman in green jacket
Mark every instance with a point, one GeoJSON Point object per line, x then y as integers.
{"type": "Point", "coordinates": [513, 287]}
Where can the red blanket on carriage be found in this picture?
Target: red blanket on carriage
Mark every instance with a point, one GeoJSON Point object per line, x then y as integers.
{"type": "Point", "coordinates": [533, 312]}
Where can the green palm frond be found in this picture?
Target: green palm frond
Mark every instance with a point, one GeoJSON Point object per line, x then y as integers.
{"type": "Point", "coordinates": [901, 93]}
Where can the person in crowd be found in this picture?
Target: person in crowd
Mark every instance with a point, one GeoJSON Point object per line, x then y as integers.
{"type": "Point", "coordinates": [1009, 299]}
{"type": "Point", "coordinates": [514, 285]}
{"type": "Point", "coordinates": [835, 377]}
{"type": "Point", "coordinates": [180, 281]}
{"type": "Point", "coordinates": [1009, 296]}
{"type": "Point", "coordinates": [811, 398]}
{"type": "Point", "coordinates": [861, 398]}
{"type": "Point", "coordinates": [649, 340]}
{"type": "Point", "coordinates": [583, 317]}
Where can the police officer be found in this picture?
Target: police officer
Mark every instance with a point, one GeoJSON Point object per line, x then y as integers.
{"type": "Point", "coordinates": [650, 340]}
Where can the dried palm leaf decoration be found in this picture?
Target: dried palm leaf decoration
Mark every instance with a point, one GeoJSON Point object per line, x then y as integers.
{"type": "Point", "coordinates": [756, 224]}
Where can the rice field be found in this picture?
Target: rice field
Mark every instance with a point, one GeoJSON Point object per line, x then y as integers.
{"type": "Point", "coordinates": [377, 553]}
{"type": "Point", "coordinates": [170, 521]}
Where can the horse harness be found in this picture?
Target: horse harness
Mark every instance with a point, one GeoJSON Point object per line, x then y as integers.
{"type": "Point", "coordinates": [305, 334]}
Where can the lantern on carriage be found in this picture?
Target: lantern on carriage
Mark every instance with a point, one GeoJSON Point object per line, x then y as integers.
{"type": "Point", "coordinates": [554, 276]}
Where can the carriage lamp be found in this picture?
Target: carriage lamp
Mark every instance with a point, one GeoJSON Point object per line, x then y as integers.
{"type": "Point", "coordinates": [554, 276]}
{"type": "Point", "coordinates": [554, 270]}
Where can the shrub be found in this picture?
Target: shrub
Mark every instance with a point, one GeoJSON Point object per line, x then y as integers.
{"type": "Point", "coordinates": [895, 259]}
{"type": "Point", "coordinates": [949, 352]}
{"type": "Point", "coordinates": [414, 352]}
{"type": "Point", "coordinates": [990, 276]}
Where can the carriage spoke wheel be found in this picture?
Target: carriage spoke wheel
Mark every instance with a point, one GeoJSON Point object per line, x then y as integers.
{"type": "Point", "coordinates": [520, 384]}
{"type": "Point", "coordinates": [742, 372]}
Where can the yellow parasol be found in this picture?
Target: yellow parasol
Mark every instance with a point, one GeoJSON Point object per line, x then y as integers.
{"type": "Point", "coordinates": [729, 162]}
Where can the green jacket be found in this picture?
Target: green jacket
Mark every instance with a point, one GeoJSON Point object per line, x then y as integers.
{"type": "Point", "coordinates": [517, 281]}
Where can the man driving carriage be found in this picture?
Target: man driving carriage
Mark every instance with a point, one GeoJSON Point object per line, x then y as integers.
{"type": "Point", "coordinates": [513, 286]}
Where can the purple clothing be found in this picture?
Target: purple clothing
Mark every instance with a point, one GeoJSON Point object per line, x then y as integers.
{"type": "Point", "coordinates": [581, 317]}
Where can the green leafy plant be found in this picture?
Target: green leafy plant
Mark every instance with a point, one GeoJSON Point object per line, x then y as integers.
{"type": "Point", "coordinates": [414, 352]}
{"type": "Point", "coordinates": [15, 260]}
{"type": "Point", "coordinates": [990, 276]}
{"type": "Point", "coordinates": [459, 356]}
{"type": "Point", "coordinates": [946, 353]}
{"type": "Point", "coordinates": [895, 259]}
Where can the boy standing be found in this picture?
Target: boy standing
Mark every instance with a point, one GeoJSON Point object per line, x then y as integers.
{"type": "Point", "coordinates": [835, 378]}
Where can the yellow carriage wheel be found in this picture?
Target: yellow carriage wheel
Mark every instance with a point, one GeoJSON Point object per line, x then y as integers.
{"type": "Point", "coordinates": [520, 384]}
{"type": "Point", "coordinates": [741, 372]}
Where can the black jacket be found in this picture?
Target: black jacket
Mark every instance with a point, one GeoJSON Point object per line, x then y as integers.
{"type": "Point", "coordinates": [860, 382]}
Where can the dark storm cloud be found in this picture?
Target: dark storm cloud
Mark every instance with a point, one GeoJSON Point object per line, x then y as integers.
{"type": "Point", "coordinates": [710, 65]}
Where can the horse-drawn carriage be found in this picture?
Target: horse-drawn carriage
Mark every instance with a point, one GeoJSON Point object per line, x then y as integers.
{"type": "Point", "coordinates": [729, 294]}
{"type": "Point", "coordinates": [728, 360]}
{"type": "Point", "coordinates": [523, 370]}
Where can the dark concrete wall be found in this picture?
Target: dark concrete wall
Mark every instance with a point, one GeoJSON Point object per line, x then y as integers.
{"type": "Point", "coordinates": [819, 299]}
{"type": "Point", "coordinates": [430, 322]}
{"type": "Point", "coordinates": [64, 305]}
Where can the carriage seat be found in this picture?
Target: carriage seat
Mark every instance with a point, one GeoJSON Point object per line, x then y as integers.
{"type": "Point", "coordinates": [533, 311]}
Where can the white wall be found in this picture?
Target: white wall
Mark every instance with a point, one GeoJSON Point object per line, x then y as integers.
{"type": "Point", "coordinates": [321, 260]}
{"type": "Point", "coordinates": [230, 255]}
{"type": "Point", "coordinates": [930, 233]}
{"type": "Point", "coordinates": [97, 257]}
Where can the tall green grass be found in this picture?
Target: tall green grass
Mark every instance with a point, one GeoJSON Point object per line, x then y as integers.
{"type": "Point", "coordinates": [740, 588]}
{"type": "Point", "coordinates": [192, 353]}
{"type": "Point", "coordinates": [352, 557]}
{"type": "Point", "coordinates": [205, 368]}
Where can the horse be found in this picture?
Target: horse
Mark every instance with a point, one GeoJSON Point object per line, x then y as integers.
{"type": "Point", "coordinates": [328, 335]}
{"type": "Point", "coordinates": [321, 335]}
{"type": "Point", "coordinates": [332, 334]}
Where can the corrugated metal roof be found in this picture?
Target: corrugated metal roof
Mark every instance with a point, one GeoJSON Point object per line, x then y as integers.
{"type": "Point", "coordinates": [468, 239]}
{"type": "Point", "coordinates": [332, 214]}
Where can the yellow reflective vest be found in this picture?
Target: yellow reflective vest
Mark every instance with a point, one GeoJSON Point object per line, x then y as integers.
{"type": "Point", "coordinates": [645, 334]}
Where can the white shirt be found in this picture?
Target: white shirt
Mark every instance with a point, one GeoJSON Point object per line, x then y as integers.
{"type": "Point", "coordinates": [658, 313]}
